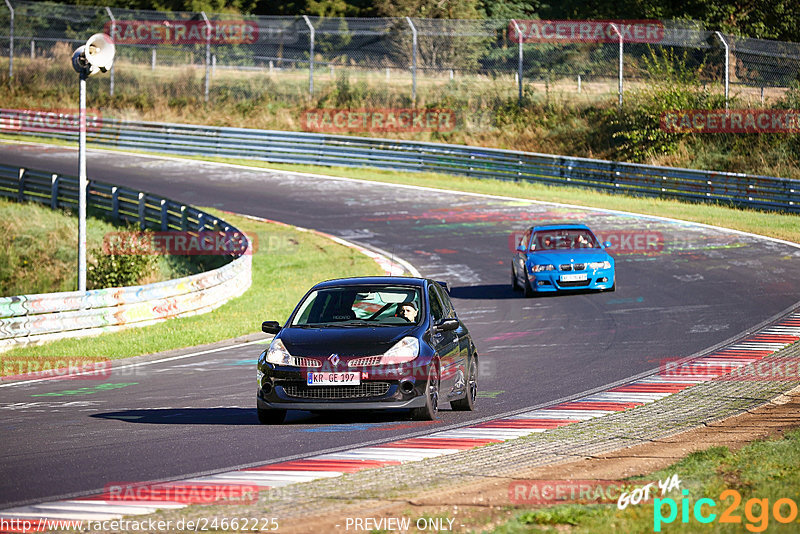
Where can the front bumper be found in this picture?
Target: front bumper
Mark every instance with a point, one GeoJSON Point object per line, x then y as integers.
{"type": "Point", "coordinates": [284, 387]}
{"type": "Point", "coordinates": [549, 281]}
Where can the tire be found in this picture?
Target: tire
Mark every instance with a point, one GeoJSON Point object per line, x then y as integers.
{"type": "Point", "coordinates": [431, 408]}
{"type": "Point", "coordinates": [514, 284]}
{"type": "Point", "coordinates": [271, 417]}
{"type": "Point", "coordinates": [467, 404]}
{"type": "Point", "coordinates": [527, 290]}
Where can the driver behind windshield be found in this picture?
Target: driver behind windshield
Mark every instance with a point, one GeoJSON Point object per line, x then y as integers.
{"type": "Point", "coordinates": [408, 311]}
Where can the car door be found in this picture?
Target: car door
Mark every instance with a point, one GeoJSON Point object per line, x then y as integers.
{"type": "Point", "coordinates": [444, 342]}
{"type": "Point", "coordinates": [463, 339]}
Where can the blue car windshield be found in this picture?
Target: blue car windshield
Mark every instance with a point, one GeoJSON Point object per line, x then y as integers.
{"type": "Point", "coordinates": [349, 306]}
{"type": "Point", "coordinates": [563, 239]}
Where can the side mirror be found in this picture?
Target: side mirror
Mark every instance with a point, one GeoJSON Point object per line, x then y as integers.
{"type": "Point", "coordinates": [606, 244]}
{"type": "Point", "coordinates": [447, 325]}
{"type": "Point", "coordinates": [270, 327]}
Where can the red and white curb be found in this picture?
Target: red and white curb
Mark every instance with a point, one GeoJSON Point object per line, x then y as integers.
{"type": "Point", "coordinates": [105, 506]}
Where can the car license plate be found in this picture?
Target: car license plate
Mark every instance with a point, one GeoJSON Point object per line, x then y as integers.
{"type": "Point", "coordinates": [573, 277]}
{"type": "Point", "coordinates": [334, 379]}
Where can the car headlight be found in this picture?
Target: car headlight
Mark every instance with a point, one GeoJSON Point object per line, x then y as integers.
{"type": "Point", "coordinates": [600, 265]}
{"type": "Point", "coordinates": [541, 268]}
{"type": "Point", "coordinates": [278, 354]}
{"type": "Point", "coordinates": [259, 376]}
{"type": "Point", "coordinates": [403, 351]}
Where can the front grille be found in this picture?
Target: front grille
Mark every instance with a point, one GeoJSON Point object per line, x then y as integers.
{"type": "Point", "coordinates": [565, 266]}
{"type": "Point", "coordinates": [572, 266]}
{"type": "Point", "coordinates": [367, 389]}
{"type": "Point", "coordinates": [365, 361]}
{"type": "Point", "coordinates": [300, 361]}
{"type": "Point", "coordinates": [577, 283]}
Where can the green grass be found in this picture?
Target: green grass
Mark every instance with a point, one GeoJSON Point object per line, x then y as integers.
{"type": "Point", "coordinates": [39, 251]}
{"type": "Point", "coordinates": [767, 469]}
{"type": "Point", "coordinates": [39, 248]}
{"type": "Point", "coordinates": [287, 262]}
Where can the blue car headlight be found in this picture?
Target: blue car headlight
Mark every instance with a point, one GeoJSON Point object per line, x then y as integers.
{"type": "Point", "coordinates": [600, 265]}
{"type": "Point", "coordinates": [542, 268]}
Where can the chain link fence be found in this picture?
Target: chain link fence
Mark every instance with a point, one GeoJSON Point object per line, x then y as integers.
{"type": "Point", "coordinates": [389, 62]}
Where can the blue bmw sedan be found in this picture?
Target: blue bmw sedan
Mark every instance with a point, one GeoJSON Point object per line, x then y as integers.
{"type": "Point", "coordinates": [369, 343]}
{"type": "Point", "coordinates": [565, 257]}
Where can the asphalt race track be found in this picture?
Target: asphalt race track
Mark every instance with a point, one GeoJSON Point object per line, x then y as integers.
{"type": "Point", "coordinates": [692, 288]}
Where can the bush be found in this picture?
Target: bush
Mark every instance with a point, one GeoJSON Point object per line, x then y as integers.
{"type": "Point", "coordinates": [111, 268]}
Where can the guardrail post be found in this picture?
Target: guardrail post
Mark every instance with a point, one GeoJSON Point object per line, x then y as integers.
{"type": "Point", "coordinates": [21, 185]}
{"type": "Point", "coordinates": [310, 56]}
{"type": "Point", "coordinates": [519, 62]}
{"type": "Point", "coordinates": [142, 202]}
{"type": "Point", "coordinates": [54, 191]}
{"type": "Point", "coordinates": [727, 64]}
{"type": "Point", "coordinates": [113, 32]}
{"type": "Point", "coordinates": [114, 203]}
{"type": "Point", "coordinates": [164, 215]}
{"type": "Point", "coordinates": [10, 42]}
{"type": "Point", "coordinates": [208, 54]}
{"type": "Point", "coordinates": [184, 218]}
{"type": "Point", "coordinates": [621, 47]}
{"type": "Point", "coordinates": [200, 223]}
{"type": "Point", "coordinates": [413, 60]}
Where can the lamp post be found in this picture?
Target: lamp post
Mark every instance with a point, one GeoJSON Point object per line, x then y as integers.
{"type": "Point", "coordinates": [97, 55]}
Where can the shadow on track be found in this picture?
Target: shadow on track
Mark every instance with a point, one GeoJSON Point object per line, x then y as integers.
{"type": "Point", "coordinates": [247, 417]}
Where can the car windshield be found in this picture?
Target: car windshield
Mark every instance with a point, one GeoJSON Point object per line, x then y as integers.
{"type": "Point", "coordinates": [347, 306]}
{"type": "Point", "coordinates": [563, 239]}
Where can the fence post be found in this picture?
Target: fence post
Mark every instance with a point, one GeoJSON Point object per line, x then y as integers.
{"type": "Point", "coordinates": [727, 64]}
{"type": "Point", "coordinates": [115, 203]}
{"type": "Point", "coordinates": [164, 215]}
{"type": "Point", "coordinates": [310, 56]}
{"type": "Point", "coordinates": [54, 191]}
{"type": "Point", "coordinates": [413, 60]}
{"type": "Point", "coordinates": [519, 62]}
{"type": "Point", "coordinates": [619, 90]}
{"type": "Point", "coordinates": [10, 42]}
{"type": "Point", "coordinates": [208, 54]}
{"type": "Point", "coordinates": [142, 204]}
{"type": "Point", "coordinates": [21, 185]}
{"type": "Point", "coordinates": [113, 32]}
{"type": "Point", "coordinates": [33, 49]}
{"type": "Point", "coordinates": [153, 59]}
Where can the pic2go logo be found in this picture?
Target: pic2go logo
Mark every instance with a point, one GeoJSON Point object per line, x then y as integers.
{"type": "Point", "coordinates": [756, 511]}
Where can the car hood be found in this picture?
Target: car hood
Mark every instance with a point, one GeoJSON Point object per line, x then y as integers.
{"type": "Point", "coordinates": [348, 341]}
{"type": "Point", "coordinates": [557, 257]}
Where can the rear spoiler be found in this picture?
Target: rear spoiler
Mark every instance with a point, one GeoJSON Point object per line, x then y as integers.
{"type": "Point", "coordinates": [444, 285]}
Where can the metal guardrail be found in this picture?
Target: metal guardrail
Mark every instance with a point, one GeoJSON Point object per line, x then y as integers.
{"type": "Point", "coordinates": [27, 319]}
{"type": "Point", "coordinates": [753, 191]}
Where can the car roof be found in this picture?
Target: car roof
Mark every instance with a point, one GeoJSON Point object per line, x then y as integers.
{"type": "Point", "coordinates": [373, 280]}
{"type": "Point", "coordinates": [568, 226]}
